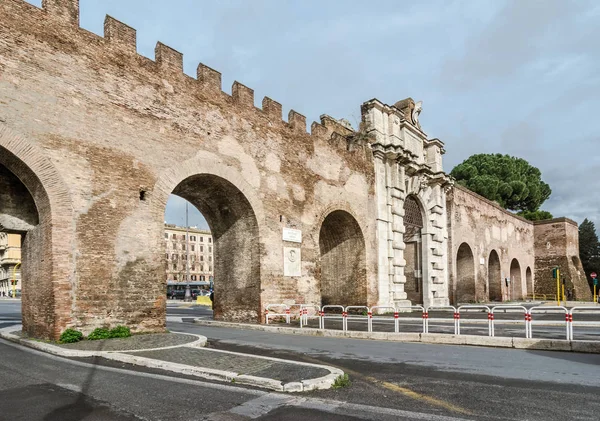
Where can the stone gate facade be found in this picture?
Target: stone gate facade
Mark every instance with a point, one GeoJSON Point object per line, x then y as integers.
{"type": "Point", "coordinates": [94, 138]}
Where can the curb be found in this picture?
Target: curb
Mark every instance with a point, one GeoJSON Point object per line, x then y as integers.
{"type": "Point", "coordinates": [324, 382]}
{"type": "Point", "coordinates": [66, 352]}
{"type": "Point", "coordinates": [591, 347]}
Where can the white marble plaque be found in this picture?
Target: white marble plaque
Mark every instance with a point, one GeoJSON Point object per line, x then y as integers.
{"type": "Point", "coordinates": [292, 235]}
{"type": "Point", "coordinates": [291, 261]}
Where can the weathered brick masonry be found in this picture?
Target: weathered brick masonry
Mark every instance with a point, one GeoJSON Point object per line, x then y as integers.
{"type": "Point", "coordinates": [94, 138]}
{"type": "Point", "coordinates": [88, 124]}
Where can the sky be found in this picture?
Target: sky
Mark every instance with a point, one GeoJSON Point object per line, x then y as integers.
{"type": "Point", "coordinates": [517, 77]}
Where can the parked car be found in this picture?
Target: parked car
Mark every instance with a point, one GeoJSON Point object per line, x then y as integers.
{"type": "Point", "coordinates": [18, 294]}
{"type": "Point", "coordinates": [177, 294]}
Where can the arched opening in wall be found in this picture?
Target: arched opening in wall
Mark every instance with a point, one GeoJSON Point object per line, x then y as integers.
{"type": "Point", "coordinates": [529, 280]}
{"type": "Point", "coordinates": [494, 277]}
{"type": "Point", "coordinates": [189, 251]}
{"type": "Point", "coordinates": [232, 247]}
{"type": "Point", "coordinates": [23, 271]}
{"type": "Point", "coordinates": [515, 288]}
{"type": "Point", "coordinates": [413, 254]}
{"type": "Point", "coordinates": [465, 275]}
{"type": "Point", "coordinates": [343, 261]}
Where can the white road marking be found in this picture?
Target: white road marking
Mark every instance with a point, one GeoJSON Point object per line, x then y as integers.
{"type": "Point", "coordinates": [266, 401]}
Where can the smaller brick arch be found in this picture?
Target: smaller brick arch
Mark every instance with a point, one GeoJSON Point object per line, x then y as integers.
{"type": "Point", "coordinates": [529, 280]}
{"type": "Point", "coordinates": [343, 260]}
{"type": "Point", "coordinates": [516, 281]}
{"type": "Point", "coordinates": [494, 277]}
{"type": "Point", "coordinates": [465, 273]}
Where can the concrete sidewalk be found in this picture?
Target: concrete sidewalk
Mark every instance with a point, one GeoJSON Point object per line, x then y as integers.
{"type": "Point", "coordinates": [185, 353]}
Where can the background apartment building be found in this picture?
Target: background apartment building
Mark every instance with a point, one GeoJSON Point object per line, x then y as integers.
{"type": "Point", "coordinates": [199, 255]}
{"type": "Point", "coordinates": [10, 256]}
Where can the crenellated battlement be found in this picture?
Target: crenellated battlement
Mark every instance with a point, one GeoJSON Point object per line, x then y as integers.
{"type": "Point", "coordinates": [168, 62]}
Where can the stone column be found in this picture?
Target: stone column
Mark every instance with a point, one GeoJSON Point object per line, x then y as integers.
{"type": "Point", "coordinates": [383, 255]}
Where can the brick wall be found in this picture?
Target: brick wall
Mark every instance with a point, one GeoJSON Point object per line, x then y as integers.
{"type": "Point", "coordinates": [557, 244]}
{"type": "Point", "coordinates": [111, 124]}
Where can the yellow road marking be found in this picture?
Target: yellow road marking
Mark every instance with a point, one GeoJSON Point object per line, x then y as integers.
{"type": "Point", "coordinates": [420, 397]}
{"type": "Point", "coordinates": [402, 390]}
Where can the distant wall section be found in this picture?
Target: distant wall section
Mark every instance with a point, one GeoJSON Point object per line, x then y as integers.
{"type": "Point", "coordinates": [501, 244]}
{"type": "Point", "coordinates": [557, 244]}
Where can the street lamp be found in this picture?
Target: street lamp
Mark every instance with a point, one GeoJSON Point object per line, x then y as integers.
{"type": "Point", "coordinates": [188, 293]}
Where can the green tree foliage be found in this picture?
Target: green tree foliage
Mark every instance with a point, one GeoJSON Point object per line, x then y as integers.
{"type": "Point", "coordinates": [538, 215]}
{"type": "Point", "coordinates": [512, 182]}
{"type": "Point", "coordinates": [589, 248]}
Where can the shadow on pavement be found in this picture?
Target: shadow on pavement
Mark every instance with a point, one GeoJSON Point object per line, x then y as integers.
{"type": "Point", "coordinates": [592, 359]}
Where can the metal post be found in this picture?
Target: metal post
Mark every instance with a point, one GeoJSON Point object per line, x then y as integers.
{"type": "Point", "coordinates": [14, 284]}
{"type": "Point", "coordinates": [557, 287]}
{"type": "Point", "coordinates": [188, 292]}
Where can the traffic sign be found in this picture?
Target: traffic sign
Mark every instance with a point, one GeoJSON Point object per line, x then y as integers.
{"type": "Point", "coordinates": [593, 275]}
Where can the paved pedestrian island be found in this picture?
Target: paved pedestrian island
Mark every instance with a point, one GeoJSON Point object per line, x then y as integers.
{"type": "Point", "coordinates": [186, 354]}
{"type": "Point", "coordinates": [243, 364]}
{"type": "Point", "coordinates": [134, 343]}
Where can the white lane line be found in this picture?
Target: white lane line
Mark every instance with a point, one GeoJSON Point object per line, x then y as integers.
{"type": "Point", "coordinates": [258, 407]}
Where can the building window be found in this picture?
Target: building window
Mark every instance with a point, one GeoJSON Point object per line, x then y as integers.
{"type": "Point", "coordinates": [201, 248]}
{"type": "Point", "coordinates": [193, 248]}
{"type": "Point", "coordinates": [210, 268]}
{"type": "Point", "coordinates": [173, 257]}
{"type": "Point", "coordinates": [174, 246]}
{"type": "Point", "coordinates": [174, 237]}
{"type": "Point", "coordinates": [192, 238]}
{"type": "Point", "coordinates": [166, 235]}
{"type": "Point", "coordinates": [183, 247]}
{"type": "Point", "coordinates": [167, 256]}
{"type": "Point", "coordinates": [175, 266]}
{"type": "Point", "coordinates": [174, 277]}
{"type": "Point", "coordinates": [210, 239]}
{"type": "Point", "coordinates": [210, 249]}
{"type": "Point", "coordinates": [210, 258]}
{"type": "Point", "coordinates": [202, 258]}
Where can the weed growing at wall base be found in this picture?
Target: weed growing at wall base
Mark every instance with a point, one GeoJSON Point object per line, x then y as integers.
{"type": "Point", "coordinates": [120, 332]}
{"type": "Point", "coordinates": [70, 336]}
{"type": "Point", "coordinates": [99, 333]}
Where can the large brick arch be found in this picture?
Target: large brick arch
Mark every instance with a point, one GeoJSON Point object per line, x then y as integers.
{"type": "Point", "coordinates": [48, 260]}
{"type": "Point", "coordinates": [234, 214]}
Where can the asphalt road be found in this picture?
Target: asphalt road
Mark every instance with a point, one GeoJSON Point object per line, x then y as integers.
{"type": "Point", "coordinates": [390, 381]}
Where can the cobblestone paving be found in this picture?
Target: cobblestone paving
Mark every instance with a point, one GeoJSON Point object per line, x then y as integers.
{"type": "Point", "coordinates": [135, 342]}
{"type": "Point", "coordinates": [240, 364]}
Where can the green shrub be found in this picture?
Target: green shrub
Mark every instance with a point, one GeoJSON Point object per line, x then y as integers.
{"type": "Point", "coordinates": [99, 333]}
{"type": "Point", "coordinates": [70, 336]}
{"type": "Point", "coordinates": [120, 332]}
{"type": "Point", "coordinates": [341, 381]}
